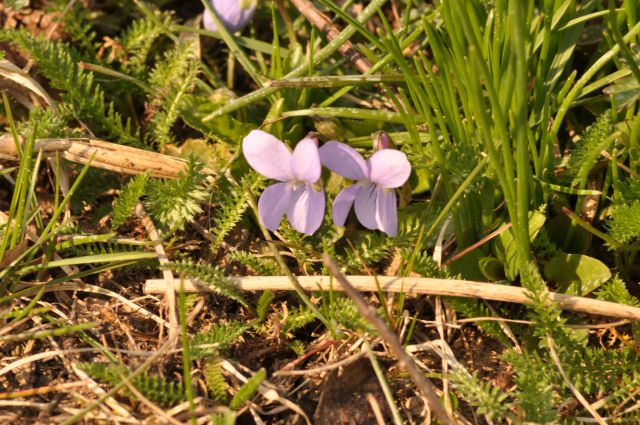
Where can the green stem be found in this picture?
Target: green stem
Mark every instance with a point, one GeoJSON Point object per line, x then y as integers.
{"type": "Point", "coordinates": [625, 51]}
{"type": "Point", "coordinates": [518, 26]}
{"type": "Point", "coordinates": [321, 56]}
{"type": "Point", "coordinates": [115, 74]}
{"type": "Point", "coordinates": [456, 196]}
{"type": "Point", "coordinates": [332, 81]}
{"type": "Point", "coordinates": [283, 266]}
{"type": "Point", "coordinates": [248, 43]}
{"type": "Point", "coordinates": [350, 113]}
{"type": "Point", "coordinates": [586, 77]}
{"type": "Point", "coordinates": [234, 49]}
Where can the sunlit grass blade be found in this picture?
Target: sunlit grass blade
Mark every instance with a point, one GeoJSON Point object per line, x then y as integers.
{"type": "Point", "coordinates": [320, 56]}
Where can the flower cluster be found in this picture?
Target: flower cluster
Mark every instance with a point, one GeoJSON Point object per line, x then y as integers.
{"type": "Point", "coordinates": [300, 196]}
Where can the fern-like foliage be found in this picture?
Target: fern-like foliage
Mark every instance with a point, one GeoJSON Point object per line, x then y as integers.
{"type": "Point", "coordinates": [370, 248]}
{"type": "Point", "coordinates": [488, 399]}
{"type": "Point", "coordinates": [222, 335]}
{"type": "Point", "coordinates": [616, 291]}
{"type": "Point", "coordinates": [226, 418]}
{"type": "Point", "coordinates": [246, 392]}
{"type": "Point", "coordinates": [606, 368]}
{"type": "Point", "coordinates": [154, 387]}
{"type": "Point", "coordinates": [98, 248]}
{"type": "Point", "coordinates": [173, 203]}
{"type": "Point", "coordinates": [344, 311]}
{"type": "Point", "coordinates": [232, 204]}
{"type": "Point", "coordinates": [585, 154]}
{"type": "Point", "coordinates": [426, 266]}
{"type": "Point", "coordinates": [262, 266]}
{"type": "Point", "coordinates": [96, 182]}
{"type": "Point", "coordinates": [593, 371]}
{"type": "Point", "coordinates": [45, 123]}
{"type": "Point", "coordinates": [473, 308]}
{"type": "Point", "coordinates": [171, 79]}
{"type": "Point", "coordinates": [373, 247]}
{"type": "Point", "coordinates": [534, 379]}
{"type": "Point", "coordinates": [624, 224]}
{"type": "Point", "coordinates": [264, 303]}
{"type": "Point", "coordinates": [139, 39]}
{"type": "Point", "coordinates": [77, 25]}
{"type": "Point", "coordinates": [630, 190]}
{"type": "Point", "coordinates": [215, 379]}
{"type": "Point", "coordinates": [129, 197]}
{"type": "Point", "coordinates": [83, 98]}
{"type": "Point", "coordinates": [542, 245]}
{"type": "Point", "coordinates": [210, 275]}
{"type": "Point", "coordinates": [297, 347]}
{"type": "Point", "coordinates": [300, 244]}
{"type": "Point", "coordinates": [297, 318]}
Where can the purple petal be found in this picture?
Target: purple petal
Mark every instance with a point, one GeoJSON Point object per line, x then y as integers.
{"type": "Point", "coordinates": [344, 160]}
{"type": "Point", "coordinates": [305, 162]}
{"type": "Point", "coordinates": [306, 212]}
{"type": "Point", "coordinates": [273, 203]}
{"type": "Point", "coordinates": [343, 203]}
{"type": "Point", "coordinates": [234, 14]}
{"type": "Point", "coordinates": [386, 212]}
{"type": "Point", "coordinates": [390, 168]}
{"type": "Point", "coordinates": [267, 155]}
{"type": "Point", "coordinates": [365, 206]}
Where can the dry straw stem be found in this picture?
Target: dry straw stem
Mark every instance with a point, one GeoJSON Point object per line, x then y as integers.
{"type": "Point", "coordinates": [170, 291]}
{"type": "Point", "coordinates": [369, 313]}
{"type": "Point", "coordinates": [11, 72]}
{"type": "Point", "coordinates": [589, 408]}
{"type": "Point", "coordinates": [323, 23]}
{"type": "Point", "coordinates": [66, 386]}
{"type": "Point", "coordinates": [105, 155]}
{"type": "Point", "coordinates": [414, 286]}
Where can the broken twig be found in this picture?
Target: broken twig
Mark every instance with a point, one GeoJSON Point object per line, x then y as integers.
{"type": "Point", "coordinates": [414, 286]}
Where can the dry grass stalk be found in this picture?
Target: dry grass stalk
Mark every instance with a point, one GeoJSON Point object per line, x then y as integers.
{"type": "Point", "coordinates": [42, 390]}
{"type": "Point", "coordinates": [414, 286]}
{"type": "Point", "coordinates": [554, 355]}
{"type": "Point", "coordinates": [170, 291]}
{"type": "Point", "coordinates": [324, 24]}
{"type": "Point", "coordinates": [370, 314]}
{"type": "Point", "coordinates": [104, 155]}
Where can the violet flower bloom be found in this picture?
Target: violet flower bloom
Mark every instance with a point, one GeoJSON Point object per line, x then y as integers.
{"type": "Point", "coordinates": [373, 195]}
{"type": "Point", "coordinates": [297, 194]}
{"type": "Point", "coordinates": [235, 14]}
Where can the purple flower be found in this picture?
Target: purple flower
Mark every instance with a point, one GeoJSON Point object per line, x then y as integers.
{"type": "Point", "coordinates": [297, 194]}
{"type": "Point", "coordinates": [235, 14]}
{"type": "Point", "coordinates": [373, 194]}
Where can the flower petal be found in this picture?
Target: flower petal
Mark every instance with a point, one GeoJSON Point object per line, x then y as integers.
{"type": "Point", "coordinates": [234, 14]}
{"type": "Point", "coordinates": [273, 203]}
{"type": "Point", "coordinates": [305, 163]}
{"type": "Point", "coordinates": [386, 212]}
{"type": "Point", "coordinates": [306, 212]}
{"type": "Point", "coordinates": [267, 155]}
{"type": "Point", "coordinates": [343, 203]}
{"type": "Point", "coordinates": [390, 168]}
{"type": "Point", "coordinates": [344, 160]}
{"type": "Point", "coordinates": [365, 206]}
